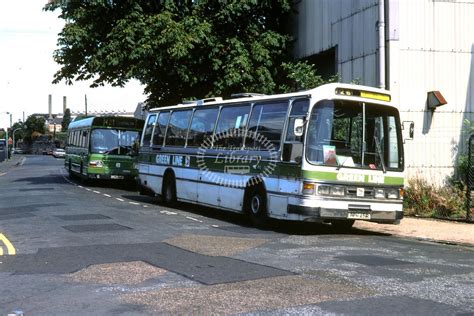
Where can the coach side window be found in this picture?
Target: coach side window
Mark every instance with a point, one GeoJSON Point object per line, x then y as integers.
{"type": "Point", "coordinates": [160, 128]}
{"type": "Point", "coordinates": [148, 130]}
{"type": "Point", "coordinates": [231, 126]}
{"type": "Point", "coordinates": [299, 110]}
{"type": "Point", "coordinates": [178, 128]}
{"type": "Point", "coordinates": [293, 146]}
{"type": "Point", "coordinates": [74, 139]}
{"type": "Point", "coordinates": [202, 126]}
{"type": "Point", "coordinates": [266, 125]}
{"type": "Point", "coordinates": [80, 141]}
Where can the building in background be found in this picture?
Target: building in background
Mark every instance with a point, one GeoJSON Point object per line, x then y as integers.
{"type": "Point", "coordinates": [53, 121]}
{"type": "Point", "coordinates": [410, 47]}
{"type": "Point", "coordinates": [141, 111]}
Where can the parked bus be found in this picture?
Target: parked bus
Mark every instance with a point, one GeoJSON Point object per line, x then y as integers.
{"type": "Point", "coordinates": [330, 154]}
{"type": "Point", "coordinates": [102, 147]}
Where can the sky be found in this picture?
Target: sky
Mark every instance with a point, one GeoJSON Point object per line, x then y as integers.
{"type": "Point", "coordinates": [28, 38]}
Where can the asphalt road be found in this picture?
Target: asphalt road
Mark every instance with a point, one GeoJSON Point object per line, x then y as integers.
{"type": "Point", "coordinates": [103, 249]}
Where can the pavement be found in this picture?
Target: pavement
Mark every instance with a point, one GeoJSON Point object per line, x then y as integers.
{"type": "Point", "coordinates": [8, 165]}
{"type": "Point", "coordinates": [441, 231]}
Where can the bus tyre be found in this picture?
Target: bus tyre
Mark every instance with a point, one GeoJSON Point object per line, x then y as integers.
{"type": "Point", "coordinates": [256, 206]}
{"type": "Point", "coordinates": [342, 225]}
{"type": "Point", "coordinates": [169, 190]}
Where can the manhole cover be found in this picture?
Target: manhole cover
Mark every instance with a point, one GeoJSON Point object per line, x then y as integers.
{"type": "Point", "coordinates": [95, 228]}
{"type": "Point", "coordinates": [373, 260]}
{"type": "Point", "coordinates": [81, 217]}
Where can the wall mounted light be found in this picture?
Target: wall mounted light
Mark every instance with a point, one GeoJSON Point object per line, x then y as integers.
{"type": "Point", "coordinates": [435, 99]}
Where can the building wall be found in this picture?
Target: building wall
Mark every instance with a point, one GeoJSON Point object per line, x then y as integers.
{"type": "Point", "coordinates": [350, 26]}
{"type": "Point", "coordinates": [430, 46]}
{"type": "Point", "coordinates": [434, 52]}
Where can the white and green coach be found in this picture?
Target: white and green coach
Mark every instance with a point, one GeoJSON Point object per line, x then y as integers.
{"type": "Point", "coordinates": [330, 154]}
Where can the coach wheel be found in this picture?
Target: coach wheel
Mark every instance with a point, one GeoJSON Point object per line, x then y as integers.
{"type": "Point", "coordinates": [169, 190]}
{"type": "Point", "coordinates": [256, 206]}
{"type": "Point", "coordinates": [342, 225]}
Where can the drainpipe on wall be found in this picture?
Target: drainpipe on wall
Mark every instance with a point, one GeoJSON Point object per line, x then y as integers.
{"type": "Point", "coordinates": [381, 31]}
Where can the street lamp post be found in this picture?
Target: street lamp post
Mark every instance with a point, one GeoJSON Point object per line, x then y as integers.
{"type": "Point", "coordinates": [19, 128]}
{"type": "Point", "coordinates": [6, 133]}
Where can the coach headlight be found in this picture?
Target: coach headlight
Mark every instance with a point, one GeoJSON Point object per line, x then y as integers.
{"type": "Point", "coordinates": [379, 194]}
{"type": "Point", "coordinates": [323, 189]}
{"type": "Point", "coordinates": [392, 194]}
{"type": "Point", "coordinates": [337, 191]}
{"type": "Point", "coordinates": [96, 163]}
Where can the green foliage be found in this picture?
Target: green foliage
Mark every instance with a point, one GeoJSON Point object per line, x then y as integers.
{"type": "Point", "coordinates": [426, 200]}
{"type": "Point", "coordinates": [20, 130]}
{"type": "Point", "coordinates": [302, 76]}
{"type": "Point", "coordinates": [33, 126]}
{"type": "Point", "coordinates": [66, 120]}
{"type": "Point", "coordinates": [181, 49]}
{"type": "Point", "coordinates": [462, 168]}
{"type": "Point", "coordinates": [468, 127]}
{"type": "Point", "coordinates": [462, 159]}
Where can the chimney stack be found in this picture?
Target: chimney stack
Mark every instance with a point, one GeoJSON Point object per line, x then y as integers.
{"type": "Point", "coordinates": [50, 106]}
{"type": "Point", "coordinates": [64, 104]}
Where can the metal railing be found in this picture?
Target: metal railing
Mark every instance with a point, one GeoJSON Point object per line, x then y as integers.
{"type": "Point", "coordinates": [470, 179]}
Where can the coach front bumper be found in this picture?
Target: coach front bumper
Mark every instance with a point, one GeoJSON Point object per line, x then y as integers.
{"type": "Point", "coordinates": [326, 209]}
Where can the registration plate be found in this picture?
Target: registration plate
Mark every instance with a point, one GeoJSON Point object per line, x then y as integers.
{"type": "Point", "coordinates": [358, 215]}
{"type": "Point", "coordinates": [116, 177]}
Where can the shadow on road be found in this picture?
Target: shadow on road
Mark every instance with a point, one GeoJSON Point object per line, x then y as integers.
{"type": "Point", "coordinates": [51, 179]}
{"type": "Point", "coordinates": [276, 226]}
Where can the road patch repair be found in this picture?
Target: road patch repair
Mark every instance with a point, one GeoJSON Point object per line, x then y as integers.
{"type": "Point", "coordinates": [10, 250]}
{"type": "Point", "coordinates": [246, 296]}
{"type": "Point", "coordinates": [197, 267]}
{"type": "Point", "coordinates": [95, 228]}
{"type": "Point", "coordinates": [82, 217]}
{"type": "Point", "coordinates": [128, 273]}
{"type": "Point", "coordinates": [215, 245]}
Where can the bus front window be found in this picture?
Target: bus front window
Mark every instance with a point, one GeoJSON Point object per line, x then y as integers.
{"type": "Point", "coordinates": [354, 134]}
{"type": "Point", "coordinates": [112, 141]}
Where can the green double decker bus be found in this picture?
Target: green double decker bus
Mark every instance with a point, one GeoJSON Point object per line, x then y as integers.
{"type": "Point", "coordinates": [102, 147]}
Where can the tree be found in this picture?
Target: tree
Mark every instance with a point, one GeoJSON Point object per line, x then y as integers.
{"type": "Point", "coordinates": [180, 49]}
{"type": "Point", "coordinates": [20, 131]}
{"type": "Point", "coordinates": [34, 126]}
{"type": "Point", "coordinates": [66, 120]}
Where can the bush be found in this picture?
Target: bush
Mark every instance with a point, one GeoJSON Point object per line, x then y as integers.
{"type": "Point", "coordinates": [426, 200]}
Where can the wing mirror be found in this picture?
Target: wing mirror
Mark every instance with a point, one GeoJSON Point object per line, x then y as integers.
{"type": "Point", "coordinates": [408, 128]}
{"type": "Point", "coordinates": [298, 127]}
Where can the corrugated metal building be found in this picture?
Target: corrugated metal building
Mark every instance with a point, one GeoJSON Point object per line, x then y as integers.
{"type": "Point", "coordinates": [428, 46]}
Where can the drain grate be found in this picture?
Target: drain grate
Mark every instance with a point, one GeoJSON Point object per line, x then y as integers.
{"type": "Point", "coordinates": [369, 260]}
{"type": "Point", "coordinates": [82, 217]}
{"type": "Point", "coordinates": [95, 228]}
